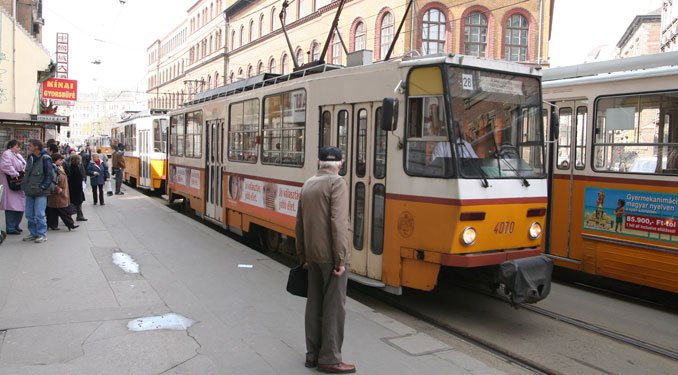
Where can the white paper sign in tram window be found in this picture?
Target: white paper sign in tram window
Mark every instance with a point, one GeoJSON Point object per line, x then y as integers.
{"type": "Point", "coordinates": [287, 199]}
{"type": "Point", "coordinates": [195, 179]}
{"type": "Point", "coordinates": [253, 193]}
{"type": "Point", "coordinates": [467, 81]}
{"type": "Point", "coordinates": [181, 176]}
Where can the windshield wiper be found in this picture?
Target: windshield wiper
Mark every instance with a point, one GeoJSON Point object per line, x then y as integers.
{"type": "Point", "coordinates": [483, 176]}
{"type": "Point", "coordinates": [501, 157]}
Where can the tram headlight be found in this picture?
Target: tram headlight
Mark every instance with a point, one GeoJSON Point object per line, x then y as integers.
{"type": "Point", "coordinates": [535, 231]}
{"type": "Point", "coordinates": [468, 236]}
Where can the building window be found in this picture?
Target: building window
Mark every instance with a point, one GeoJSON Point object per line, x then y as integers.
{"type": "Point", "coordinates": [359, 37]}
{"type": "Point", "coordinates": [283, 64]}
{"type": "Point", "coordinates": [216, 79]}
{"type": "Point", "coordinates": [233, 39]}
{"type": "Point", "coordinates": [475, 34]}
{"type": "Point", "coordinates": [251, 30]}
{"type": "Point", "coordinates": [272, 19]}
{"type": "Point", "coordinates": [261, 25]}
{"type": "Point", "coordinates": [321, 3]}
{"type": "Point", "coordinates": [300, 57]}
{"type": "Point", "coordinates": [250, 71]}
{"type": "Point", "coordinates": [194, 134]}
{"type": "Point", "coordinates": [240, 73]}
{"type": "Point", "coordinates": [433, 32]}
{"type": "Point", "coordinates": [242, 35]}
{"type": "Point", "coordinates": [271, 66]}
{"type": "Point", "coordinates": [260, 68]}
{"type": "Point", "coordinates": [303, 8]}
{"type": "Point", "coordinates": [243, 127]}
{"type": "Point", "coordinates": [386, 33]}
{"type": "Point", "coordinates": [284, 127]}
{"type": "Point", "coordinates": [336, 49]}
{"type": "Point", "coordinates": [315, 51]}
{"type": "Point", "coordinates": [515, 48]}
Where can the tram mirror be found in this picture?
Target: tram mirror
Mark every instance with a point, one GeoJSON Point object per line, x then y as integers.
{"type": "Point", "coordinates": [555, 126]}
{"type": "Point", "coordinates": [389, 118]}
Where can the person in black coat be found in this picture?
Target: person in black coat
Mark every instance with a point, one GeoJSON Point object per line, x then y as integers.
{"type": "Point", "coordinates": [76, 175]}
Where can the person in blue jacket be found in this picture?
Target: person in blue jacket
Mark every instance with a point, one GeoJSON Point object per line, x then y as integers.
{"type": "Point", "coordinates": [37, 185]}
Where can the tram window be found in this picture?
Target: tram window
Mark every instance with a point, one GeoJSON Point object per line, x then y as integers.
{"type": "Point", "coordinates": [564, 137]}
{"type": "Point", "coordinates": [242, 131]}
{"type": "Point", "coordinates": [428, 144]}
{"type": "Point", "coordinates": [380, 139]}
{"type": "Point", "coordinates": [361, 145]}
{"type": "Point", "coordinates": [378, 212]}
{"type": "Point", "coordinates": [342, 138]}
{"type": "Point", "coordinates": [157, 136]}
{"type": "Point", "coordinates": [359, 217]}
{"type": "Point", "coordinates": [580, 142]}
{"type": "Point", "coordinates": [176, 135]}
{"type": "Point", "coordinates": [637, 134]}
{"type": "Point", "coordinates": [194, 135]}
{"type": "Point", "coordinates": [133, 140]}
{"type": "Point", "coordinates": [326, 129]}
{"type": "Point", "coordinates": [284, 125]}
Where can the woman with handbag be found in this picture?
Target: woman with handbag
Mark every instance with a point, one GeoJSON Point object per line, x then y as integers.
{"type": "Point", "coordinates": [13, 200]}
{"type": "Point", "coordinates": [98, 172]}
{"type": "Point", "coordinates": [59, 202]}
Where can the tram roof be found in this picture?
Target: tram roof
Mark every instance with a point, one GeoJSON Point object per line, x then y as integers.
{"type": "Point", "coordinates": [145, 113]}
{"type": "Point", "coordinates": [639, 63]}
{"type": "Point", "coordinates": [267, 79]}
{"type": "Point", "coordinates": [664, 71]}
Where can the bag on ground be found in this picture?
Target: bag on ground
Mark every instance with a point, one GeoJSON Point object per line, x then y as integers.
{"type": "Point", "coordinates": [297, 282]}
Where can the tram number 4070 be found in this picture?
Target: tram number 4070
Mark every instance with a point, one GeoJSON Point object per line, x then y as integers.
{"type": "Point", "coordinates": [505, 227]}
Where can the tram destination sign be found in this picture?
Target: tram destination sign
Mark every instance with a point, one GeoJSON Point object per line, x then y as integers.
{"type": "Point", "coordinates": [60, 89]}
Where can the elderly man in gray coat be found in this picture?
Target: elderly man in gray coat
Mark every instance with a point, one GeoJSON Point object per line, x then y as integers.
{"type": "Point", "coordinates": [323, 233]}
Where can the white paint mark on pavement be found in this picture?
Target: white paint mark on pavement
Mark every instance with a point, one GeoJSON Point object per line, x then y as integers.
{"type": "Point", "coordinates": [167, 321]}
{"type": "Point", "coordinates": [126, 262]}
{"type": "Point", "coordinates": [245, 266]}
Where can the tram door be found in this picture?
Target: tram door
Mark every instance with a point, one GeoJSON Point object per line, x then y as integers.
{"type": "Point", "coordinates": [145, 158]}
{"type": "Point", "coordinates": [214, 170]}
{"type": "Point", "coordinates": [569, 160]}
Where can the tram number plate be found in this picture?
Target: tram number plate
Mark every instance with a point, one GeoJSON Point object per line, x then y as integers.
{"type": "Point", "coordinates": [505, 227]}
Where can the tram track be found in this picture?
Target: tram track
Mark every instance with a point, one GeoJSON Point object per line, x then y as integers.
{"type": "Point", "coordinates": [476, 339]}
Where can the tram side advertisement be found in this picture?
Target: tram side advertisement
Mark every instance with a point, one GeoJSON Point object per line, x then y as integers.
{"type": "Point", "coordinates": [639, 214]}
{"type": "Point", "coordinates": [188, 178]}
{"type": "Point", "coordinates": [279, 198]}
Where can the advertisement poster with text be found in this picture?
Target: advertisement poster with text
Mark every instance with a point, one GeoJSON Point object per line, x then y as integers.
{"type": "Point", "coordinates": [632, 213]}
{"type": "Point", "coordinates": [269, 195]}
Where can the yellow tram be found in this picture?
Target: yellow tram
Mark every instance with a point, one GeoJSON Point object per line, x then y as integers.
{"type": "Point", "coordinates": [100, 144]}
{"type": "Point", "coordinates": [444, 158]}
{"type": "Point", "coordinates": [144, 136]}
{"type": "Point", "coordinates": [614, 200]}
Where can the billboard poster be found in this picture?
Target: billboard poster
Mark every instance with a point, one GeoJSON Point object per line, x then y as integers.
{"type": "Point", "coordinates": [185, 179]}
{"type": "Point", "coordinates": [280, 198]}
{"type": "Point", "coordinates": [632, 213]}
{"type": "Point", "coordinates": [60, 89]}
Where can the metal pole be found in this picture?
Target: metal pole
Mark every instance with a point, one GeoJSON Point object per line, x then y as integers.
{"type": "Point", "coordinates": [329, 35]}
{"type": "Point", "coordinates": [283, 11]}
{"type": "Point", "coordinates": [400, 27]}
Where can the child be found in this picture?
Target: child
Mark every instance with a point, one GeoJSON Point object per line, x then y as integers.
{"type": "Point", "coordinates": [619, 213]}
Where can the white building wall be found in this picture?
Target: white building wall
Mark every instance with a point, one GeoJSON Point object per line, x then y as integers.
{"type": "Point", "coordinates": [669, 26]}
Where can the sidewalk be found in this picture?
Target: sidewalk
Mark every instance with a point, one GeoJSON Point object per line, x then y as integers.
{"type": "Point", "coordinates": [65, 307]}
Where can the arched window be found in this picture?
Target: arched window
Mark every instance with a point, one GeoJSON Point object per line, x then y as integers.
{"type": "Point", "coordinates": [260, 68]}
{"type": "Point", "coordinates": [336, 49]}
{"type": "Point", "coordinates": [211, 43]}
{"type": "Point", "coordinates": [515, 44]}
{"type": "Point", "coordinates": [240, 73]}
{"type": "Point", "coordinates": [386, 34]}
{"type": "Point", "coordinates": [242, 35]}
{"type": "Point", "coordinates": [475, 34]}
{"type": "Point", "coordinates": [251, 30]}
{"type": "Point", "coordinates": [283, 64]}
{"type": "Point", "coordinates": [233, 39]}
{"type": "Point", "coordinates": [198, 20]}
{"type": "Point", "coordinates": [216, 79]}
{"type": "Point", "coordinates": [272, 18]}
{"type": "Point", "coordinates": [271, 65]}
{"type": "Point", "coordinates": [231, 77]}
{"type": "Point", "coordinates": [433, 32]}
{"type": "Point", "coordinates": [359, 37]}
{"type": "Point", "coordinates": [261, 25]}
{"type": "Point", "coordinates": [300, 56]}
{"type": "Point", "coordinates": [250, 71]}
{"type": "Point", "coordinates": [219, 39]}
{"type": "Point", "coordinates": [315, 51]}
{"type": "Point", "coordinates": [209, 81]}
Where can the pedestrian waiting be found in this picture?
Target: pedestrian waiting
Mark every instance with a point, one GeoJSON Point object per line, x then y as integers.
{"type": "Point", "coordinates": [13, 199]}
{"type": "Point", "coordinates": [37, 185]}
{"type": "Point", "coordinates": [98, 172]}
{"type": "Point", "coordinates": [59, 202]}
{"type": "Point", "coordinates": [76, 180]}
{"type": "Point", "coordinates": [119, 167]}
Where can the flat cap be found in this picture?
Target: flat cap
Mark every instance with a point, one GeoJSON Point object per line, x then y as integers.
{"type": "Point", "coordinates": [329, 154]}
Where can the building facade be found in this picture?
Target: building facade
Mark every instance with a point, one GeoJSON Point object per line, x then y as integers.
{"type": "Point", "coordinates": [641, 37]}
{"type": "Point", "coordinates": [669, 26]}
{"type": "Point", "coordinates": [28, 14]}
{"type": "Point", "coordinates": [21, 58]}
{"type": "Point", "coordinates": [222, 41]}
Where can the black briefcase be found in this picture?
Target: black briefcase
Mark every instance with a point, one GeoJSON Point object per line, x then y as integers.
{"type": "Point", "coordinates": [297, 282]}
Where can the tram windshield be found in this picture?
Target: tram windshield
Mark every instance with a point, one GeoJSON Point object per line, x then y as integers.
{"type": "Point", "coordinates": [105, 141]}
{"type": "Point", "coordinates": [496, 126]}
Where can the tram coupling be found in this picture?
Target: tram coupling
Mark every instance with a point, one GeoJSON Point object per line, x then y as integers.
{"type": "Point", "coordinates": [526, 280]}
